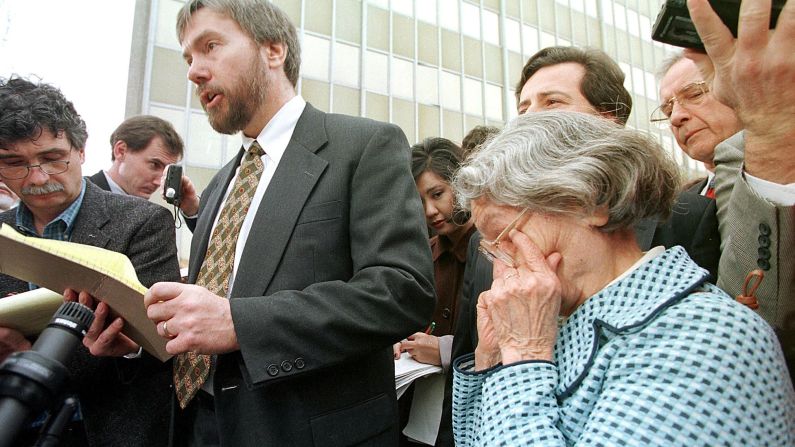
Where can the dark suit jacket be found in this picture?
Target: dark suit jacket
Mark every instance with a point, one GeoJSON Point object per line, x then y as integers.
{"type": "Point", "coordinates": [124, 402]}
{"type": "Point", "coordinates": [100, 180]}
{"type": "Point", "coordinates": [336, 269]}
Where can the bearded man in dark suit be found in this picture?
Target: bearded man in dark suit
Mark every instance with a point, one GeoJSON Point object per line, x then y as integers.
{"type": "Point", "coordinates": [123, 401]}
{"type": "Point", "coordinates": [310, 253]}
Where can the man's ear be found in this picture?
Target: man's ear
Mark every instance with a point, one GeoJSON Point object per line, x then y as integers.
{"type": "Point", "coordinates": [273, 53]}
{"type": "Point", "coordinates": [119, 149]}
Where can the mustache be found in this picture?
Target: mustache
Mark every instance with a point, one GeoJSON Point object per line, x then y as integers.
{"type": "Point", "coordinates": [46, 188]}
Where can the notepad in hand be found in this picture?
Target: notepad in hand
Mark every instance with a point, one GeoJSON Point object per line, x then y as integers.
{"type": "Point", "coordinates": [107, 275]}
{"type": "Point", "coordinates": [408, 370]}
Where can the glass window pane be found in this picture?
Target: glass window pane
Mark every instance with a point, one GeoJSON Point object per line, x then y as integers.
{"type": "Point", "coordinates": [530, 40]}
{"type": "Point", "coordinates": [473, 97]}
{"type": "Point", "coordinates": [169, 77]}
{"type": "Point", "coordinates": [348, 21]}
{"type": "Point", "coordinates": [452, 129]}
{"type": "Point", "coordinates": [316, 50]}
{"type": "Point", "coordinates": [493, 63]}
{"type": "Point", "coordinates": [449, 19]}
{"type": "Point", "coordinates": [382, 3]}
{"type": "Point", "coordinates": [426, 11]}
{"type": "Point", "coordinates": [402, 78]}
{"type": "Point", "coordinates": [204, 146]}
{"type": "Point", "coordinates": [346, 100]}
{"type": "Point", "coordinates": [470, 20]}
{"type": "Point", "coordinates": [402, 36]}
{"type": "Point", "coordinates": [513, 38]}
{"type": "Point", "coordinates": [428, 48]}
{"type": "Point", "coordinates": [491, 27]}
{"type": "Point", "coordinates": [428, 120]}
{"type": "Point", "coordinates": [166, 34]}
{"type": "Point", "coordinates": [451, 50]}
{"type": "Point", "coordinates": [493, 102]}
{"type": "Point", "coordinates": [316, 92]}
{"type": "Point", "coordinates": [403, 116]}
{"type": "Point", "coordinates": [404, 7]}
{"type": "Point", "coordinates": [377, 107]}
{"type": "Point", "coordinates": [451, 91]}
{"type": "Point", "coordinates": [174, 116]}
{"type": "Point", "coordinates": [375, 72]}
{"type": "Point", "coordinates": [473, 65]}
{"type": "Point", "coordinates": [548, 40]}
{"type": "Point", "coordinates": [318, 17]}
{"type": "Point", "coordinates": [346, 64]}
{"type": "Point", "coordinates": [427, 85]}
{"type": "Point", "coordinates": [377, 24]}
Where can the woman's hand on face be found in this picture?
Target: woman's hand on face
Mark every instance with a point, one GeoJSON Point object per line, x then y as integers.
{"type": "Point", "coordinates": [487, 352]}
{"type": "Point", "coordinates": [523, 304]}
{"type": "Point", "coordinates": [423, 348]}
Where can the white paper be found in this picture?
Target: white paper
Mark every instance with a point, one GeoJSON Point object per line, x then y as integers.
{"type": "Point", "coordinates": [426, 409]}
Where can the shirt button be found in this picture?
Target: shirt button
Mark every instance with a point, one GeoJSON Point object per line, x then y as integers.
{"type": "Point", "coordinates": [299, 363]}
{"type": "Point", "coordinates": [273, 370]}
{"type": "Point", "coordinates": [763, 264]}
{"type": "Point", "coordinates": [287, 366]}
{"type": "Point", "coordinates": [764, 230]}
{"type": "Point", "coordinates": [764, 241]}
{"type": "Point", "coordinates": [446, 313]}
{"type": "Point", "coordinates": [764, 253]}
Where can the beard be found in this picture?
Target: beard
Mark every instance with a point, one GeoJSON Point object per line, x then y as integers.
{"type": "Point", "coordinates": [243, 100]}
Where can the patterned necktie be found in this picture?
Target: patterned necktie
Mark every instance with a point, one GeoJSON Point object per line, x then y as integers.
{"type": "Point", "coordinates": [191, 369]}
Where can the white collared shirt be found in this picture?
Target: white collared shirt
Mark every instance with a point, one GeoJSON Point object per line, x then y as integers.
{"type": "Point", "coordinates": [273, 139]}
{"type": "Point", "coordinates": [114, 187]}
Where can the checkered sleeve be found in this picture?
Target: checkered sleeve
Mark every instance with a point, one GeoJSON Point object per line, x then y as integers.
{"type": "Point", "coordinates": [699, 374]}
{"type": "Point", "coordinates": [489, 409]}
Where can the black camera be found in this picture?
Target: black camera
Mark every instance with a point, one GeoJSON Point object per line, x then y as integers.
{"type": "Point", "coordinates": [172, 189]}
{"type": "Point", "coordinates": [674, 26]}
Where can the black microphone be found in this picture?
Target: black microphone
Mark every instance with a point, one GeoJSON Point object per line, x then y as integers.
{"type": "Point", "coordinates": [32, 381]}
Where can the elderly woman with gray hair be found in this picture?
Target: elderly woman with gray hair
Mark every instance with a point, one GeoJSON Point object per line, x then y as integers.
{"type": "Point", "coordinates": [583, 338]}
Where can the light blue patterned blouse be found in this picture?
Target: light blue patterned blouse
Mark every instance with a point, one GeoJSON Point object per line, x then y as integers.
{"type": "Point", "coordinates": [658, 358]}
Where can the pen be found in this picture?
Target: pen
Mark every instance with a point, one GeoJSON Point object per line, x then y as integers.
{"type": "Point", "coordinates": [430, 329]}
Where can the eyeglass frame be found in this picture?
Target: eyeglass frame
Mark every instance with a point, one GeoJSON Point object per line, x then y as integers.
{"type": "Point", "coordinates": [491, 249]}
{"type": "Point", "coordinates": [40, 166]}
{"type": "Point", "coordinates": [665, 122]}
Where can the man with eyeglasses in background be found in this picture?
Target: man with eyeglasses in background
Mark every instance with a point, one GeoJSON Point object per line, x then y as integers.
{"type": "Point", "coordinates": [123, 401]}
{"type": "Point", "coordinates": [698, 121]}
{"type": "Point", "coordinates": [753, 73]}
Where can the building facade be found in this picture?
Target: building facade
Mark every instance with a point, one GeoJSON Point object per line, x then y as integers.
{"type": "Point", "coordinates": [433, 67]}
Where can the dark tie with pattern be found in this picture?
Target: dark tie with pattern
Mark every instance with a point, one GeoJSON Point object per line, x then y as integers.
{"type": "Point", "coordinates": [191, 369]}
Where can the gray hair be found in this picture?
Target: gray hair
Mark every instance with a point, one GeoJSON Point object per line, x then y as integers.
{"type": "Point", "coordinates": [673, 59]}
{"type": "Point", "coordinates": [261, 19]}
{"type": "Point", "coordinates": [574, 164]}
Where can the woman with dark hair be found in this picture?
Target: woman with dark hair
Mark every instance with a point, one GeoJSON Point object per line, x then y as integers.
{"type": "Point", "coordinates": [434, 161]}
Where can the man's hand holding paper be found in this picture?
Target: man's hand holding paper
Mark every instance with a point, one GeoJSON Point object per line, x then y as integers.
{"type": "Point", "coordinates": [192, 318]}
{"type": "Point", "coordinates": [103, 340]}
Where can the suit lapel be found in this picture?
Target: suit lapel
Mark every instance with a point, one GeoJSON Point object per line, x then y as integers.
{"type": "Point", "coordinates": [92, 218]}
{"type": "Point", "coordinates": [292, 183]}
{"type": "Point", "coordinates": [201, 234]}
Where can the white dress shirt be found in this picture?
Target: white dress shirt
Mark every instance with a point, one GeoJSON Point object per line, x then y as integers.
{"type": "Point", "coordinates": [273, 139]}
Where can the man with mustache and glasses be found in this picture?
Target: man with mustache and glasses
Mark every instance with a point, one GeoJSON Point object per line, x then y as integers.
{"type": "Point", "coordinates": [8, 199]}
{"type": "Point", "coordinates": [123, 401]}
